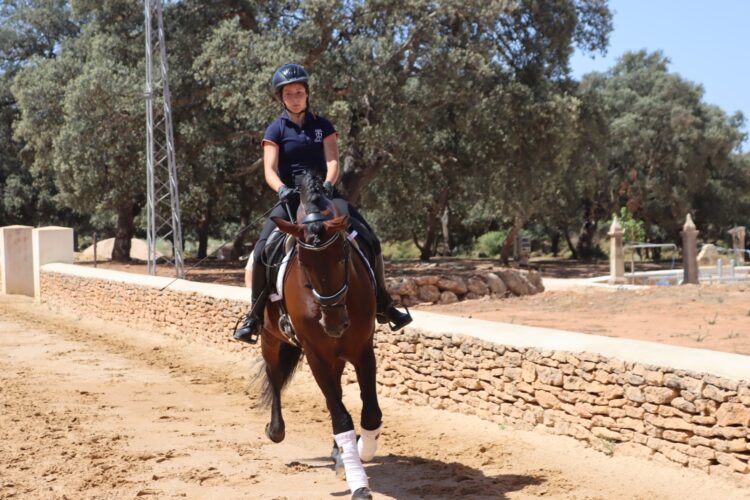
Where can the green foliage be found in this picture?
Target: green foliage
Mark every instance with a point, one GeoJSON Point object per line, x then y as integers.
{"type": "Point", "coordinates": [400, 250]}
{"type": "Point", "coordinates": [664, 144]}
{"type": "Point", "coordinates": [489, 244]}
{"type": "Point", "coordinates": [633, 230]}
{"type": "Point", "coordinates": [454, 118]}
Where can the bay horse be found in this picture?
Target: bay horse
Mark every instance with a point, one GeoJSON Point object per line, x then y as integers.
{"type": "Point", "coordinates": [329, 300]}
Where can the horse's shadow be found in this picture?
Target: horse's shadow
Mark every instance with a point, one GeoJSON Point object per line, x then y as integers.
{"type": "Point", "coordinates": [407, 477]}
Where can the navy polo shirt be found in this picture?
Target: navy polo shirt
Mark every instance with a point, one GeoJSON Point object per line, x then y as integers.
{"type": "Point", "coordinates": [300, 147]}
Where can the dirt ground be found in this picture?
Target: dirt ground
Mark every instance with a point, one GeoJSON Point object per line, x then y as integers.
{"type": "Point", "coordinates": [91, 410]}
{"type": "Point", "coordinates": [715, 317]}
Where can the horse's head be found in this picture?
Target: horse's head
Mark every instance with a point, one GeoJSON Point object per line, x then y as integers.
{"type": "Point", "coordinates": [323, 253]}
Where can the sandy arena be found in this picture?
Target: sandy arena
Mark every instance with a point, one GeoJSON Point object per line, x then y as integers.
{"type": "Point", "coordinates": [91, 410]}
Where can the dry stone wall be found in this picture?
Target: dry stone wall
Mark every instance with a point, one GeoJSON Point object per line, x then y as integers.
{"type": "Point", "coordinates": [692, 419]}
{"type": "Point", "coordinates": [442, 289]}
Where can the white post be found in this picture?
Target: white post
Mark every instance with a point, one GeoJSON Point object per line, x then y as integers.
{"type": "Point", "coordinates": [689, 252]}
{"type": "Point", "coordinates": [616, 254]}
{"type": "Point", "coordinates": [16, 266]}
{"type": "Point", "coordinates": [50, 244]}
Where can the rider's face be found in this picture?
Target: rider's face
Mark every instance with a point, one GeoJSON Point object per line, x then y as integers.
{"type": "Point", "coordinates": [295, 97]}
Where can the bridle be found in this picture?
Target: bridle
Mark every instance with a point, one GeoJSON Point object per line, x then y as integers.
{"type": "Point", "coordinates": [338, 297]}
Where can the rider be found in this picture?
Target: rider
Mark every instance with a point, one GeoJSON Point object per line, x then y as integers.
{"type": "Point", "coordinates": [298, 142]}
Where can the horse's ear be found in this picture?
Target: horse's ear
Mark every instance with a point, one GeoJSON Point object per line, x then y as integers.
{"type": "Point", "coordinates": [296, 230]}
{"type": "Point", "coordinates": [337, 224]}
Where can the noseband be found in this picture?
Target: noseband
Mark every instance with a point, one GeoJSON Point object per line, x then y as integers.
{"type": "Point", "coordinates": [338, 297]}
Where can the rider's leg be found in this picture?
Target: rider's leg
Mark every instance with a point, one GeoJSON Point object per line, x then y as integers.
{"type": "Point", "coordinates": [386, 311]}
{"type": "Point", "coordinates": [253, 321]}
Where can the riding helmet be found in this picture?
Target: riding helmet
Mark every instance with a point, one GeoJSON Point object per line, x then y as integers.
{"type": "Point", "coordinates": [289, 73]}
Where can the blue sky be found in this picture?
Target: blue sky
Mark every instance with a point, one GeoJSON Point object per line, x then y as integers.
{"type": "Point", "coordinates": [707, 43]}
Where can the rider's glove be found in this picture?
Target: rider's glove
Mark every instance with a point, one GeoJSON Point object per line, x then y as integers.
{"type": "Point", "coordinates": [284, 193]}
{"type": "Point", "coordinates": [329, 189]}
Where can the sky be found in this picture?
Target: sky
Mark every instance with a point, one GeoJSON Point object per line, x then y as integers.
{"type": "Point", "coordinates": [706, 42]}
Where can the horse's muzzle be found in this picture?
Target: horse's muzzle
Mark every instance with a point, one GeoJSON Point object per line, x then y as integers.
{"type": "Point", "coordinates": [335, 321]}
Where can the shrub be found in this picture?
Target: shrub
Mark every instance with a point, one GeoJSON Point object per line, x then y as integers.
{"type": "Point", "coordinates": [400, 250]}
{"type": "Point", "coordinates": [489, 244]}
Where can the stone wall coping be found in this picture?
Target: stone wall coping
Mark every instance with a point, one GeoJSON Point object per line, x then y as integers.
{"type": "Point", "coordinates": [734, 366]}
{"type": "Point", "coordinates": [210, 289]}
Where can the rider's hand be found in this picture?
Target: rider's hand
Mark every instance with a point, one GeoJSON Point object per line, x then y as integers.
{"type": "Point", "coordinates": [329, 189]}
{"type": "Point", "coordinates": [284, 193]}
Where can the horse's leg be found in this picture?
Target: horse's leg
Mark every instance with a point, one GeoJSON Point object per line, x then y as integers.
{"type": "Point", "coordinates": [281, 360]}
{"type": "Point", "coordinates": [372, 418]}
{"type": "Point", "coordinates": [327, 374]}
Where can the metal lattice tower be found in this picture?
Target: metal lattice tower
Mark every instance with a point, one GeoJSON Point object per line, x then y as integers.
{"type": "Point", "coordinates": [163, 210]}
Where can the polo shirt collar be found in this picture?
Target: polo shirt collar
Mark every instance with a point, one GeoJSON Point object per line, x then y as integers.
{"type": "Point", "coordinates": [308, 117]}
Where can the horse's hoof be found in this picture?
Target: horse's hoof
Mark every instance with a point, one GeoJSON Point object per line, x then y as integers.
{"type": "Point", "coordinates": [275, 437]}
{"type": "Point", "coordinates": [362, 494]}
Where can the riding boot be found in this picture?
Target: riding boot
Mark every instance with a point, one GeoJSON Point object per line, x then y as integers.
{"type": "Point", "coordinates": [386, 311]}
{"type": "Point", "coordinates": [253, 321]}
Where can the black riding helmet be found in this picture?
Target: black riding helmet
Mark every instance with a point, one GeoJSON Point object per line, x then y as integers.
{"type": "Point", "coordinates": [286, 74]}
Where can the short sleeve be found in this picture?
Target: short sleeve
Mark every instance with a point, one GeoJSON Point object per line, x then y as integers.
{"type": "Point", "coordinates": [327, 127]}
{"type": "Point", "coordinates": [273, 134]}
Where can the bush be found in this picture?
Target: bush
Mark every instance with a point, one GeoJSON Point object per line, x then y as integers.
{"type": "Point", "coordinates": [400, 250]}
{"type": "Point", "coordinates": [489, 244]}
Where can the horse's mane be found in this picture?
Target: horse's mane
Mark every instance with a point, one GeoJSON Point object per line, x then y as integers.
{"type": "Point", "coordinates": [311, 197]}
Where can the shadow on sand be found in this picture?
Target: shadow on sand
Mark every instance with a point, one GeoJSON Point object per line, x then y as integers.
{"type": "Point", "coordinates": [409, 477]}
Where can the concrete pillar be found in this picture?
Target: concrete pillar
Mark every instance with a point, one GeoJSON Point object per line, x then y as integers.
{"type": "Point", "coordinates": [616, 254]}
{"type": "Point", "coordinates": [16, 265]}
{"type": "Point", "coordinates": [690, 252]}
{"type": "Point", "coordinates": [738, 243]}
{"type": "Point", "coordinates": [50, 244]}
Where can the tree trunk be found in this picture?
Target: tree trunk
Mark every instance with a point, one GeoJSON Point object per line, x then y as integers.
{"type": "Point", "coordinates": [433, 219]}
{"type": "Point", "coordinates": [202, 238]}
{"type": "Point", "coordinates": [204, 225]}
{"type": "Point", "coordinates": [571, 246]}
{"type": "Point", "coordinates": [508, 243]}
{"type": "Point", "coordinates": [585, 246]}
{"type": "Point", "coordinates": [124, 233]}
{"type": "Point", "coordinates": [356, 170]}
{"type": "Point", "coordinates": [238, 245]}
{"type": "Point", "coordinates": [555, 239]}
{"type": "Point", "coordinates": [444, 220]}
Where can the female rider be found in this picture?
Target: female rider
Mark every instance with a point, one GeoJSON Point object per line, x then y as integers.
{"type": "Point", "coordinates": [298, 142]}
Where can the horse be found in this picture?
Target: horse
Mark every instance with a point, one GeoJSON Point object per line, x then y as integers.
{"type": "Point", "coordinates": [329, 301]}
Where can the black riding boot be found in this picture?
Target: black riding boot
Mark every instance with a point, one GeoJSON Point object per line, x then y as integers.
{"type": "Point", "coordinates": [386, 311]}
{"type": "Point", "coordinates": [253, 322]}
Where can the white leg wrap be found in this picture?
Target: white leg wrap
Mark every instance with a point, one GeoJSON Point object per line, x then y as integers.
{"type": "Point", "coordinates": [355, 472]}
{"type": "Point", "coordinates": [367, 444]}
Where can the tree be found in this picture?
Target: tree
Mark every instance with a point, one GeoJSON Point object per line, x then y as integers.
{"type": "Point", "coordinates": [27, 30]}
{"type": "Point", "coordinates": [665, 145]}
{"type": "Point", "coordinates": [82, 116]}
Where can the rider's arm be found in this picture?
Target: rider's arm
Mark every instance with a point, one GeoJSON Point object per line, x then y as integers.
{"type": "Point", "coordinates": [271, 165]}
{"type": "Point", "coordinates": [331, 150]}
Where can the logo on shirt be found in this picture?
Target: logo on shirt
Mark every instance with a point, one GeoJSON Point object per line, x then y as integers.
{"type": "Point", "coordinates": [318, 135]}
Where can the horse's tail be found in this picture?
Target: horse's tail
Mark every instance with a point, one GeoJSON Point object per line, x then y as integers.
{"type": "Point", "coordinates": [289, 358]}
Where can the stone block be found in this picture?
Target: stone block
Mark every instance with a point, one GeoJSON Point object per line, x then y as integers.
{"type": "Point", "coordinates": [448, 297]}
{"type": "Point", "coordinates": [50, 244]}
{"type": "Point", "coordinates": [659, 395]}
{"type": "Point", "coordinates": [428, 293]}
{"type": "Point", "coordinates": [716, 394]}
{"type": "Point", "coordinates": [455, 284]}
{"type": "Point", "coordinates": [16, 261]}
{"type": "Point", "coordinates": [733, 414]}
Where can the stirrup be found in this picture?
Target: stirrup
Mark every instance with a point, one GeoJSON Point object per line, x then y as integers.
{"type": "Point", "coordinates": [244, 333]}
